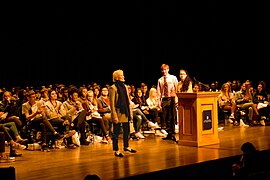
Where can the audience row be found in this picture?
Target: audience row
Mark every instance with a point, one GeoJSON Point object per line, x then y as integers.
{"type": "Point", "coordinates": [60, 112]}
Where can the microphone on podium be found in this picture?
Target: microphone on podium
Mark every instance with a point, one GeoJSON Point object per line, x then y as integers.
{"type": "Point", "coordinates": [196, 81]}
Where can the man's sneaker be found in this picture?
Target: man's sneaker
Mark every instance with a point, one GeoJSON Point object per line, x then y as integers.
{"type": "Point", "coordinates": [230, 121]}
{"type": "Point", "coordinates": [156, 125]}
{"type": "Point", "coordinates": [151, 124]}
{"type": "Point", "coordinates": [242, 124]}
{"type": "Point", "coordinates": [159, 133]}
{"type": "Point", "coordinates": [262, 122]}
{"type": "Point", "coordinates": [18, 146]}
{"type": "Point", "coordinates": [139, 135]}
{"type": "Point", "coordinates": [164, 132]}
{"type": "Point", "coordinates": [220, 128]}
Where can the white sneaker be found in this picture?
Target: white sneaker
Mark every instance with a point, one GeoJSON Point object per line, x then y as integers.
{"type": "Point", "coordinates": [220, 128]}
{"type": "Point", "coordinates": [159, 133]}
{"type": "Point", "coordinates": [262, 122]}
{"type": "Point", "coordinates": [139, 135]}
{"type": "Point", "coordinates": [104, 141]}
{"type": "Point", "coordinates": [151, 124]}
{"type": "Point", "coordinates": [98, 138]}
{"type": "Point", "coordinates": [18, 146]}
{"type": "Point", "coordinates": [242, 124]}
{"type": "Point", "coordinates": [229, 121]}
{"type": "Point", "coordinates": [164, 132]}
{"type": "Point", "coordinates": [231, 117]}
{"type": "Point", "coordinates": [156, 125]}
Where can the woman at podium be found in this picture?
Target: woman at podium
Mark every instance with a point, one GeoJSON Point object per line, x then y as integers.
{"type": "Point", "coordinates": [185, 83]}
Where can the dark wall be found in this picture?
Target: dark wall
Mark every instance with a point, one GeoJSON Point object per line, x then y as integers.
{"type": "Point", "coordinates": [213, 41]}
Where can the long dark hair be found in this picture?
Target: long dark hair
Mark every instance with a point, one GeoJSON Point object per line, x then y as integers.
{"type": "Point", "coordinates": [186, 81]}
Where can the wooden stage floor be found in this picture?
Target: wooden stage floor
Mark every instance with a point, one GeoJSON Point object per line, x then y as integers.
{"type": "Point", "coordinates": [153, 154]}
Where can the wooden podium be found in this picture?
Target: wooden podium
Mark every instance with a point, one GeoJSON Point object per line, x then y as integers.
{"type": "Point", "coordinates": [198, 118]}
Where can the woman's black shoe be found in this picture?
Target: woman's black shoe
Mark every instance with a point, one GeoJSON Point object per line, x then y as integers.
{"type": "Point", "coordinates": [170, 138]}
{"type": "Point", "coordinates": [130, 150]}
{"type": "Point", "coordinates": [118, 154]}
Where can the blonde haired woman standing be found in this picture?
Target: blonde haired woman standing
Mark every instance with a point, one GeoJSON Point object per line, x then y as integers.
{"type": "Point", "coordinates": [121, 112]}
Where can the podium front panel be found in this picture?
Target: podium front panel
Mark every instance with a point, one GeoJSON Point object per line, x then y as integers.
{"type": "Point", "coordinates": [198, 123]}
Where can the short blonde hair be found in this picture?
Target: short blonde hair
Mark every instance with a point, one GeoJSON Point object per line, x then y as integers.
{"type": "Point", "coordinates": [116, 74]}
{"type": "Point", "coordinates": [164, 66]}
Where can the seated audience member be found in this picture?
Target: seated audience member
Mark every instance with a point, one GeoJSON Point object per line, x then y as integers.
{"type": "Point", "coordinates": [92, 115]}
{"type": "Point", "coordinates": [10, 105]}
{"type": "Point", "coordinates": [82, 94]}
{"type": "Point", "coordinates": [96, 90]}
{"type": "Point", "coordinates": [64, 94]}
{"type": "Point", "coordinates": [141, 101]}
{"type": "Point", "coordinates": [12, 144]}
{"type": "Point", "coordinates": [195, 88]}
{"type": "Point", "coordinates": [13, 131]}
{"type": "Point", "coordinates": [104, 107]}
{"type": "Point", "coordinates": [142, 105]}
{"type": "Point", "coordinates": [22, 98]}
{"type": "Point", "coordinates": [152, 102]}
{"type": "Point", "coordinates": [243, 100]}
{"type": "Point", "coordinates": [139, 117]}
{"type": "Point", "coordinates": [44, 96]}
{"type": "Point", "coordinates": [33, 110]}
{"type": "Point", "coordinates": [38, 94]}
{"type": "Point", "coordinates": [132, 91]}
{"type": "Point", "coordinates": [145, 92]}
{"type": "Point", "coordinates": [234, 86]}
{"type": "Point", "coordinates": [57, 119]}
{"type": "Point", "coordinates": [251, 161]}
{"type": "Point", "coordinates": [76, 114]}
{"type": "Point", "coordinates": [260, 99]}
{"type": "Point", "coordinates": [155, 112]}
{"type": "Point", "coordinates": [226, 101]}
{"type": "Point", "coordinates": [103, 101]}
{"type": "Point", "coordinates": [213, 87]}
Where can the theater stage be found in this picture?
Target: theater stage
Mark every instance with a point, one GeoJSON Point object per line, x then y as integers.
{"type": "Point", "coordinates": [153, 155]}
